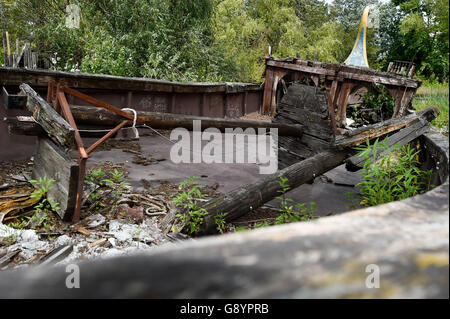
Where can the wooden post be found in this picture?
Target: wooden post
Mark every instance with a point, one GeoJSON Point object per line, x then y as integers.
{"type": "Point", "coordinates": [5, 56]}
{"type": "Point", "coordinates": [8, 48]}
{"type": "Point", "coordinates": [267, 95]}
{"type": "Point", "coordinates": [331, 102]}
{"type": "Point", "coordinates": [342, 103]}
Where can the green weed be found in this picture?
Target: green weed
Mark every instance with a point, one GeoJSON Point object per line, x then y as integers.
{"type": "Point", "coordinates": [392, 177]}
{"type": "Point", "coordinates": [193, 216]}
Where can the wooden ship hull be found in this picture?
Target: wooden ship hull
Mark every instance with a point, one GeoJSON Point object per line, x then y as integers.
{"type": "Point", "coordinates": [306, 99]}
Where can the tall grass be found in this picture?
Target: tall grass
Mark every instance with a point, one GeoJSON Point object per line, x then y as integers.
{"type": "Point", "coordinates": [434, 94]}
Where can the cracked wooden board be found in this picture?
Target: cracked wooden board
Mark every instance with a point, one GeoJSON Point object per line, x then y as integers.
{"type": "Point", "coordinates": [52, 162]}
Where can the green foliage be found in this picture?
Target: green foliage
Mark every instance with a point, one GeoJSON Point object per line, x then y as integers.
{"type": "Point", "coordinates": [395, 176]}
{"type": "Point", "coordinates": [164, 39]}
{"type": "Point", "coordinates": [245, 29]}
{"type": "Point", "coordinates": [193, 216]}
{"type": "Point", "coordinates": [44, 209]}
{"type": "Point", "coordinates": [226, 40]}
{"type": "Point", "coordinates": [434, 94]}
{"type": "Point", "coordinates": [289, 213]}
{"type": "Point", "coordinates": [379, 98]}
{"type": "Point", "coordinates": [219, 219]}
{"type": "Point", "coordinates": [43, 185]}
{"type": "Point", "coordinates": [114, 182]}
{"type": "Point", "coordinates": [241, 228]}
{"type": "Point", "coordinates": [421, 36]}
{"type": "Point", "coordinates": [95, 175]}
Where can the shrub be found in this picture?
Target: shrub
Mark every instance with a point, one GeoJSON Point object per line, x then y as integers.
{"type": "Point", "coordinates": [395, 176]}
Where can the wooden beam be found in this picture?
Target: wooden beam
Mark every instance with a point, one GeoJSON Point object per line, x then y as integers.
{"type": "Point", "coordinates": [24, 125]}
{"type": "Point", "coordinates": [332, 96]}
{"type": "Point", "coordinates": [402, 137]}
{"type": "Point", "coordinates": [372, 78]}
{"type": "Point", "coordinates": [360, 135]}
{"type": "Point", "coordinates": [342, 103]}
{"type": "Point", "coordinates": [62, 101]}
{"type": "Point", "coordinates": [56, 127]}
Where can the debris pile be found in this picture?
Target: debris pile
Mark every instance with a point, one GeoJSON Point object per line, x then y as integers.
{"type": "Point", "coordinates": [115, 220]}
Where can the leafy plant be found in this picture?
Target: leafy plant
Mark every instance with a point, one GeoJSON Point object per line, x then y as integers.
{"type": "Point", "coordinates": [392, 177]}
{"type": "Point", "coordinates": [112, 181]}
{"type": "Point", "coordinates": [291, 213]}
{"type": "Point", "coordinates": [263, 224]}
{"type": "Point", "coordinates": [95, 175]}
{"type": "Point", "coordinates": [193, 216]}
{"type": "Point", "coordinates": [241, 228]}
{"type": "Point", "coordinates": [45, 208]}
{"type": "Point", "coordinates": [220, 222]}
{"type": "Point", "coordinates": [43, 185]}
{"type": "Point", "coordinates": [379, 98]}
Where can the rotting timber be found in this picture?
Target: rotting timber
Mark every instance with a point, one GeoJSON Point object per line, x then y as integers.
{"type": "Point", "coordinates": [316, 151]}
{"type": "Point", "coordinates": [308, 100]}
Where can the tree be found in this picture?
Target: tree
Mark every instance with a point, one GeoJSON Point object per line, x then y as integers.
{"type": "Point", "coordinates": [246, 29]}
{"type": "Point", "coordinates": [423, 37]}
{"type": "Point", "coordinates": [165, 39]}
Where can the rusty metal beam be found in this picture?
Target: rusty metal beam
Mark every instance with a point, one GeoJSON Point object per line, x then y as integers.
{"type": "Point", "coordinates": [107, 135]}
{"type": "Point", "coordinates": [96, 102]}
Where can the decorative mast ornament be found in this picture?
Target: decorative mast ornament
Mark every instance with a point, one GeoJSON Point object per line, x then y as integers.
{"type": "Point", "coordinates": [358, 57]}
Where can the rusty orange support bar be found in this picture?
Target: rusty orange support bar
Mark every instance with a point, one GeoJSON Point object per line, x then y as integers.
{"type": "Point", "coordinates": [55, 94]}
{"type": "Point", "coordinates": [68, 115]}
{"type": "Point", "coordinates": [106, 136]}
{"type": "Point", "coordinates": [96, 102]}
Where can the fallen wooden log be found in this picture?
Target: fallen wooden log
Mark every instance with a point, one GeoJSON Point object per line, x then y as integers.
{"type": "Point", "coordinates": [97, 116]}
{"type": "Point", "coordinates": [251, 196]}
{"type": "Point", "coordinates": [360, 135]}
{"type": "Point", "coordinates": [402, 137]}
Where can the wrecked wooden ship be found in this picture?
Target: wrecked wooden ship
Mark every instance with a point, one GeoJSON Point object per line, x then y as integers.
{"type": "Point", "coordinates": [307, 99]}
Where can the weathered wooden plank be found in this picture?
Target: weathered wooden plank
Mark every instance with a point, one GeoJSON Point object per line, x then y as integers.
{"type": "Point", "coordinates": [360, 135]}
{"type": "Point", "coordinates": [348, 73]}
{"type": "Point", "coordinates": [307, 106]}
{"type": "Point", "coordinates": [77, 80]}
{"type": "Point", "coordinates": [313, 125]}
{"type": "Point", "coordinates": [400, 138]}
{"type": "Point", "coordinates": [56, 127]}
{"type": "Point", "coordinates": [52, 162]}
